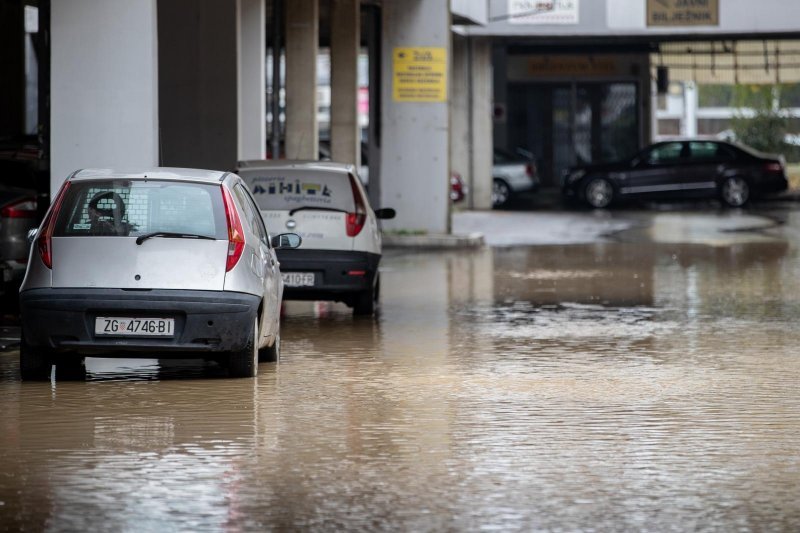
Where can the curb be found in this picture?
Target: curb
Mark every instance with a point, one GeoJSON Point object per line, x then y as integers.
{"type": "Point", "coordinates": [436, 241]}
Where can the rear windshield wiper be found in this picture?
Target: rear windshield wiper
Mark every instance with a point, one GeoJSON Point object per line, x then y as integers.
{"type": "Point", "coordinates": [141, 238]}
{"type": "Point", "coordinates": [315, 208]}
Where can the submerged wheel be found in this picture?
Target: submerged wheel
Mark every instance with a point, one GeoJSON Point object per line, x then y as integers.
{"type": "Point", "coordinates": [501, 193]}
{"type": "Point", "coordinates": [244, 363]}
{"type": "Point", "coordinates": [271, 354]}
{"type": "Point", "coordinates": [34, 363]}
{"type": "Point", "coordinates": [735, 192]}
{"type": "Point", "coordinates": [366, 301]}
{"type": "Point", "coordinates": [599, 193]}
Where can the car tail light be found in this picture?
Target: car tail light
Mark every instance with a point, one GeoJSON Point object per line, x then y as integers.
{"type": "Point", "coordinates": [354, 222]}
{"type": "Point", "coordinates": [25, 208]}
{"type": "Point", "coordinates": [773, 166]}
{"type": "Point", "coordinates": [235, 231]}
{"type": "Point", "coordinates": [530, 170]}
{"type": "Point", "coordinates": [45, 240]}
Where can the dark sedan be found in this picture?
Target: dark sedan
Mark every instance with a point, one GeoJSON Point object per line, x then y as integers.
{"type": "Point", "coordinates": [733, 173]}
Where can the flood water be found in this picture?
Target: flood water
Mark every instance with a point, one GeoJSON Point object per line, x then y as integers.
{"type": "Point", "coordinates": [643, 382]}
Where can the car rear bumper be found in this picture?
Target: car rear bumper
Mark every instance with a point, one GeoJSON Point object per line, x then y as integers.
{"type": "Point", "coordinates": [337, 274]}
{"type": "Point", "coordinates": [205, 321]}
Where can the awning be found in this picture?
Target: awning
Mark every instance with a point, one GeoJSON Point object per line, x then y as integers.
{"type": "Point", "coordinates": [731, 62]}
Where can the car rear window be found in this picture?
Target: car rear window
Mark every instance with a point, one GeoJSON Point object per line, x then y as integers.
{"type": "Point", "coordinates": [136, 207]}
{"type": "Point", "coordinates": [283, 190]}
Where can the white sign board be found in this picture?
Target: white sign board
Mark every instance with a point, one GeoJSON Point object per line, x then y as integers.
{"type": "Point", "coordinates": [543, 11]}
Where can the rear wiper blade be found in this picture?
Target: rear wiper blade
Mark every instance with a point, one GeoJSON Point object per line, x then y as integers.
{"type": "Point", "coordinates": [141, 238]}
{"type": "Point", "coordinates": [315, 208]}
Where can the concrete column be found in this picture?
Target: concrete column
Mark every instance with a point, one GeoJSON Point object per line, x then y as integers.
{"type": "Point", "coordinates": [471, 140]}
{"type": "Point", "coordinates": [252, 79]}
{"type": "Point", "coordinates": [415, 140]}
{"type": "Point", "coordinates": [104, 89]}
{"type": "Point", "coordinates": [345, 45]}
{"type": "Point", "coordinates": [198, 83]}
{"type": "Point", "coordinates": [481, 116]}
{"type": "Point", "coordinates": [302, 45]}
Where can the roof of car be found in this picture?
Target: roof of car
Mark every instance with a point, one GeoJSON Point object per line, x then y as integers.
{"type": "Point", "coordinates": [156, 173]}
{"type": "Point", "coordinates": [283, 164]}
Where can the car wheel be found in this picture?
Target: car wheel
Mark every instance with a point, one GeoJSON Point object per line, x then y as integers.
{"type": "Point", "coordinates": [735, 191]}
{"type": "Point", "coordinates": [271, 354]}
{"type": "Point", "coordinates": [244, 363]}
{"type": "Point", "coordinates": [599, 193]}
{"type": "Point", "coordinates": [501, 193]}
{"type": "Point", "coordinates": [366, 302]}
{"type": "Point", "coordinates": [34, 364]}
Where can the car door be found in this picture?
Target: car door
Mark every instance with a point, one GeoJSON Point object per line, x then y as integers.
{"type": "Point", "coordinates": [655, 170]}
{"type": "Point", "coordinates": [268, 264]}
{"type": "Point", "coordinates": [708, 161]}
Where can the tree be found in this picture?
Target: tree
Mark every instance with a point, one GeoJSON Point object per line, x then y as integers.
{"type": "Point", "coordinates": [767, 126]}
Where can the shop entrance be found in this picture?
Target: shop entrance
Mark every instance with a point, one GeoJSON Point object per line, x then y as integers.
{"type": "Point", "coordinates": [564, 124]}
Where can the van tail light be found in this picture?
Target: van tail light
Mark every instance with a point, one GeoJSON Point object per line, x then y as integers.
{"type": "Point", "coordinates": [773, 167]}
{"type": "Point", "coordinates": [44, 242]}
{"type": "Point", "coordinates": [354, 222]}
{"type": "Point", "coordinates": [235, 231]}
{"type": "Point", "coordinates": [25, 208]}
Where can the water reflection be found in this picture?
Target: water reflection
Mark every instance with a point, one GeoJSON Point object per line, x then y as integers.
{"type": "Point", "coordinates": [626, 385]}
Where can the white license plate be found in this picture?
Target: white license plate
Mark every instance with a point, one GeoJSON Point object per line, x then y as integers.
{"type": "Point", "coordinates": [298, 279]}
{"type": "Point", "coordinates": [134, 327]}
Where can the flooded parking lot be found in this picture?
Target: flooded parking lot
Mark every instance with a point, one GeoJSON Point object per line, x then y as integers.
{"type": "Point", "coordinates": [646, 380]}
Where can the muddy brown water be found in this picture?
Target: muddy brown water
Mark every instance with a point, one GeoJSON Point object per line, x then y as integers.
{"type": "Point", "coordinates": [631, 385]}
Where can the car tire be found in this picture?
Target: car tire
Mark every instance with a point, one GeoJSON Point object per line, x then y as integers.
{"type": "Point", "coordinates": [244, 363]}
{"type": "Point", "coordinates": [366, 302]}
{"type": "Point", "coordinates": [501, 193]}
{"type": "Point", "coordinates": [34, 363]}
{"type": "Point", "coordinates": [734, 191]}
{"type": "Point", "coordinates": [271, 354]}
{"type": "Point", "coordinates": [598, 193]}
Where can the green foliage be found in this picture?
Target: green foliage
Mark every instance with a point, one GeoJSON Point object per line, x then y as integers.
{"type": "Point", "coordinates": [715, 95]}
{"type": "Point", "coordinates": [765, 130]}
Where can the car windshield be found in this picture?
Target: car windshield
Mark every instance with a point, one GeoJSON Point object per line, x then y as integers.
{"type": "Point", "coordinates": [501, 156]}
{"type": "Point", "coordinates": [287, 189]}
{"type": "Point", "coordinates": [137, 207]}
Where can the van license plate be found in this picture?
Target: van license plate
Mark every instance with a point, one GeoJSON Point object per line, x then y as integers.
{"type": "Point", "coordinates": [298, 279]}
{"type": "Point", "coordinates": [134, 327]}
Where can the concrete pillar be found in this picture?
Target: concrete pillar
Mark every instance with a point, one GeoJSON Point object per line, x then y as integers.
{"type": "Point", "coordinates": [415, 140]}
{"type": "Point", "coordinates": [198, 83]}
{"type": "Point", "coordinates": [690, 105]}
{"type": "Point", "coordinates": [104, 88]}
{"type": "Point", "coordinates": [252, 102]}
{"type": "Point", "coordinates": [302, 44]}
{"type": "Point", "coordinates": [481, 116]}
{"type": "Point", "coordinates": [471, 140]}
{"type": "Point", "coordinates": [345, 45]}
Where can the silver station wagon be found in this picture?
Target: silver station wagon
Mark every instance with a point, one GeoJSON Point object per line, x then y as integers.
{"type": "Point", "coordinates": [156, 263]}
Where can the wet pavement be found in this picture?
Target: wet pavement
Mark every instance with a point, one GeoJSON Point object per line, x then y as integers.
{"type": "Point", "coordinates": [643, 379]}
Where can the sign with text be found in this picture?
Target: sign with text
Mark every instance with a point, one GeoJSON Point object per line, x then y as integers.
{"type": "Point", "coordinates": [543, 11]}
{"type": "Point", "coordinates": [420, 74]}
{"type": "Point", "coordinates": [683, 12]}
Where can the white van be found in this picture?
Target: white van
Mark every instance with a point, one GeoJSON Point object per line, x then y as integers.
{"type": "Point", "coordinates": [327, 206]}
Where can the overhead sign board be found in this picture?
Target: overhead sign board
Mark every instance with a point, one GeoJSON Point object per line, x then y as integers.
{"type": "Point", "coordinates": [543, 11]}
{"type": "Point", "coordinates": [420, 74]}
{"type": "Point", "coordinates": [683, 12]}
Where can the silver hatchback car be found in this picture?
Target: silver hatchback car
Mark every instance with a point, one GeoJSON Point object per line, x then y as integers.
{"type": "Point", "coordinates": [155, 263]}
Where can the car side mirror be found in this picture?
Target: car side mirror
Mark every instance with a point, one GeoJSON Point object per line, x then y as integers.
{"type": "Point", "coordinates": [286, 241]}
{"type": "Point", "coordinates": [386, 213]}
{"type": "Point", "coordinates": [31, 236]}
